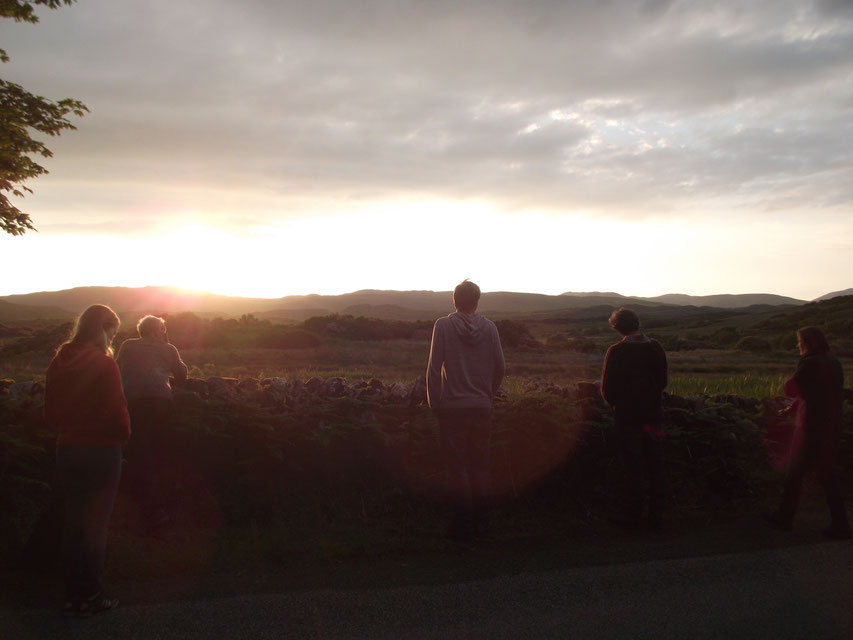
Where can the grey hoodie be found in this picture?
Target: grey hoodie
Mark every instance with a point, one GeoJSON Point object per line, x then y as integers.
{"type": "Point", "coordinates": [466, 362]}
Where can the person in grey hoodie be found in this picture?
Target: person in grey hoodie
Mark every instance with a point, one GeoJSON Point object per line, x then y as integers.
{"type": "Point", "coordinates": [466, 367]}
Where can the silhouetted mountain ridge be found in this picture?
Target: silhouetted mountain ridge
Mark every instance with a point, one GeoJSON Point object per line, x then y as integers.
{"type": "Point", "coordinates": [719, 301]}
{"type": "Point", "coordinates": [403, 305]}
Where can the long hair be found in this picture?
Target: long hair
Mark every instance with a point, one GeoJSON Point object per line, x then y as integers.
{"type": "Point", "coordinates": [91, 327]}
{"type": "Point", "coordinates": [813, 340]}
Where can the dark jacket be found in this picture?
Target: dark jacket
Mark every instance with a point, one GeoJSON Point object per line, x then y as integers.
{"type": "Point", "coordinates": [633, 378]}
{"type": "Point", "coordinates": [818, 384]}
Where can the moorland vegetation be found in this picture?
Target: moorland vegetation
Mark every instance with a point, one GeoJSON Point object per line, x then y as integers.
{"type": "Point", "coordinates": [312, 440]}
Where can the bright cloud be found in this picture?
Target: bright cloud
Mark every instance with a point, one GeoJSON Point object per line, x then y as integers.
{"type": "Point", "coordinates": [659, 117]}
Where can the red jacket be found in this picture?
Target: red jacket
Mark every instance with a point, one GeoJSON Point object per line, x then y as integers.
{"type": "Point", "coordinates": [83, 399]}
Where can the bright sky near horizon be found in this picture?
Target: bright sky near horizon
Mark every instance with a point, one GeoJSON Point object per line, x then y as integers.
{"type": "Point", "coordinates": [263, 148]}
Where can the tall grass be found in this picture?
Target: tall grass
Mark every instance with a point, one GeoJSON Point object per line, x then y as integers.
{"type": "Point", "coordinates": [753, 385]}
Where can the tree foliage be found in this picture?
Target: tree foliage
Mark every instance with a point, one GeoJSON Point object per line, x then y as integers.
{"type": "Point", "coordinates": [21, 112]}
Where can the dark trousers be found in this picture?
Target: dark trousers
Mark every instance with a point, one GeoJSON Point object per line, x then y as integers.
{"type": "Point", "coordinates": [814, 455]}
{"type": "Point", "coordinates": [89, 478]}
{"type": "Point", "coordinates": [146, 454]}
{"type": "Point", "coordinates": [642, 455]}
{"type": "Point", "coordinates": [465, 442]}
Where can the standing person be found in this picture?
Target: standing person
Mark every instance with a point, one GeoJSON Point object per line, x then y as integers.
{"type": "Point", "coordinates": [146, 364]}
{"type": "Point", "coordinates": [465, 369]}
{"type": "Point", "coordinates": [84, 403]}
{"type": "Point", "coordinates": [632, 381]}
{"type": "Point", "coordinates": [817, 387]}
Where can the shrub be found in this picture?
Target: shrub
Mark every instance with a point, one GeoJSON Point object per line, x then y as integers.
{"type": "Point", "coordinates": [515, 334]}
{"type": "Point", "coordinates": [282, 337]}
{"type": "Point", "coordinates": [753, 343]}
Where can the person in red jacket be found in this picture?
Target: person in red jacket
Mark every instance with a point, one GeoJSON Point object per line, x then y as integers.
{"type": "Point", "coordinates": [818, 387]}
{"type": "Point", "coordinates": [85, 404]}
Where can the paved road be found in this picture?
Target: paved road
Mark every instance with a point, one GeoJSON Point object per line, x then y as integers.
{"type": "Point", "coordinates": [795, 592]}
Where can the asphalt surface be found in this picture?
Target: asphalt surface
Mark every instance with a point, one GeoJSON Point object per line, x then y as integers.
{"type": "Point", "coordinates": [803, 591]}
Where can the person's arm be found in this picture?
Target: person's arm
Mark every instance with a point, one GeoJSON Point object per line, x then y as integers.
{"type": "Point", "coordinates": [608, 378]}
{"type": "Point", "coordinates": [179, 369]}
{"type": "Point", "coordinates": [122, 355]}
{"type": "Point", "coordinates": [434, 365]}
{"type": "Point", "coordinates": [792, 389]}
{"type": "Point", "coordinates": [805, 378]}
{"type": "Point", "coordinates": [499, 363]}
{"type": "Point", "coordinates": [52, 412]}
{"type": "Point", "coordinates": [661, 373]}
{"type": "Point", "coordinates": [116, 404]}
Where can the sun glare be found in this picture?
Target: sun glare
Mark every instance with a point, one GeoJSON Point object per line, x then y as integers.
{"type": "Point", "coordinates": [415, 246]}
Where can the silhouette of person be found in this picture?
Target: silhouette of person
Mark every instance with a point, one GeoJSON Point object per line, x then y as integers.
{"type": "Point", "coordinates": [465, 369]}
{"type": "Point", "coordinates": [146, 364]}
{"type": "Point", "coordinates": [817, 386]}
{"type": "Point", "coordinates": [632, 381]}
{"type": "Point", "coordinates": [84, 403]}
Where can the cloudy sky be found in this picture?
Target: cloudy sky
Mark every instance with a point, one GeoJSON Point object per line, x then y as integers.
{"type": "Point", "coordinates": [278, 147]}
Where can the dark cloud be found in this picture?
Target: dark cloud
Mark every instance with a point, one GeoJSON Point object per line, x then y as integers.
{"type": "Point", "coordinates": [615, 107]}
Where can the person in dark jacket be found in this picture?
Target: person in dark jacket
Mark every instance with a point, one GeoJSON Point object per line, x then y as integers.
{"type": "Point", "coordinates": [632, 380]}
{"type": "Point", "coordinates": [465, 369]}
{"type": "Point", "coordinates": [84, 403]}
{"type": "Point", "coordinates": [817, 387]}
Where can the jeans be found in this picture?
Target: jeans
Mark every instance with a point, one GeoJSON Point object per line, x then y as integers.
{"type": "Point", "coordinates": [815, 455]}
{"type": "Point", "coordinates": [89, 478]}
{"type": "Point", "coordinates": [465, 442]}
{"type": "Point", "coordinates": [146, 460]}
{"type": "Point", "coordinates": [642, 454]}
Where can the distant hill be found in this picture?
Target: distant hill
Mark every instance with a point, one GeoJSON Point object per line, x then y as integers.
{"type": "Point", "coordinates": [835, 294]}
{"type": "Point", "coordinates": [726, 301]}
{"type": "Point", "coordinates": [721, 301]}
{"type": "Point", "coordinates": [10, 312]}
{"type": "Point", "coordinates": [594, 294]}
{"type": "Point", "coordinates": [142, 299]}
{"type": "Point", "coordinates": [398, 305]}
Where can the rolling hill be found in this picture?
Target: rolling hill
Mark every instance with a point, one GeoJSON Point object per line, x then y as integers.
{"type": "Point", "coordinates": [720, 301]}
{"type": "Point", "coordinates": [399, 305]}
{"type": "Point", "coordinates": [835, 294]}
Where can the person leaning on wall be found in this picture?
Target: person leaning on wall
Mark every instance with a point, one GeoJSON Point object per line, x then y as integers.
{"type": "Point", "coordinates": [632, 381]}
{"type": "Point", "coordinates": [146, 364]}
{"type": "Point", "coordinates": [84, 403]}
{"type": "Point", "coordinates": [817, 388]}
{"type": "Point", "coordinates": [465, 369]}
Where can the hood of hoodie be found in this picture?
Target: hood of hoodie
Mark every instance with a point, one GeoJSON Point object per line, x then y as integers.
{"type": "Point", "coordinates": [637, 338]}
{"type": "Point", "coordinates": [469, 327]}
{"type": "Point", "coordinates": [77, 357]}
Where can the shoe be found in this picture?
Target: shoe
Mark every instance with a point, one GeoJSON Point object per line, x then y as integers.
{"type": "Point", "coordinates": [837, 533]}
{"type": "Point", "coordinates": [96, 604]}
{"type": "Point", "coordinates": [777, 522]}
{"type": "Point", "coordinates": [71, 609]}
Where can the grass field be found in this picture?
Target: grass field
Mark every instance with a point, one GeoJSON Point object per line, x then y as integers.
{"type": "Point", "coordinates": [700, 372]}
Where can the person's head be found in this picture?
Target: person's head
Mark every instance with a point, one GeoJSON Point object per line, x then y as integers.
{"type": "Point", "coordinates": [151, 327]}
{"type": "Point", "coordinates": [625, 321]}
{"type": "Point", "coordinates": [811, 341]}
{"type": "Point", "coordinates": [466, 297]}
{"type": "Point", "coordinates": [96, 326]}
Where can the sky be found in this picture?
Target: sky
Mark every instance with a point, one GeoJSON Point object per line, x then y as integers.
{"type": "Point", "coordinates": [263, 148]}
